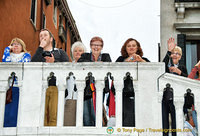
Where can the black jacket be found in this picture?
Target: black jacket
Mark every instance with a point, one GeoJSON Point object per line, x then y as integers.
{"type": "Point", "coordinates": [59, 55]}
{"type": "Point", "coordinates": [121, 59]}
{"type": "Point", "coordinates": [86, 57]}
{"type": "Point", "coordinates": [181, 67]}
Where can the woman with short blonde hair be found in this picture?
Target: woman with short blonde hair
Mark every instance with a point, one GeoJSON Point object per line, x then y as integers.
{"type": "Point", "coordinates": [172, 59]}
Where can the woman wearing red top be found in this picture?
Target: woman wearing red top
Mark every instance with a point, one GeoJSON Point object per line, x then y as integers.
{"type": "Point", "coordinates": [195, 71]}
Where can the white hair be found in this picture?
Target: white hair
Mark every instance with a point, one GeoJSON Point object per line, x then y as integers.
{"type": "Point", "coordinates": [78, 44]}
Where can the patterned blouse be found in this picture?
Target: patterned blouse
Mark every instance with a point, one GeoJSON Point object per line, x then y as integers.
{"type": "Point", "coordinates": [11, 57]}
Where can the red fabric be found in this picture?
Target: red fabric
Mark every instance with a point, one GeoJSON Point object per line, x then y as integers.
{"type": "Point", "coordinates": [92, 86]}
{"type": "Point", "coordinates": [94, 100]}
{"type": "Point", "coordinates": [193, 73]}
{"type": "Point", "coordinates": [111, 103]}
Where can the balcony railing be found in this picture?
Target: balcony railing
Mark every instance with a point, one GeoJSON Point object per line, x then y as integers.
{"type": "Point", "coordinates": [149, 81]}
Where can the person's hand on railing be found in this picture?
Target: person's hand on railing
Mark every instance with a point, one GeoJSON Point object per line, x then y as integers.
{"type": "Point", "coordinates": [171, 44]}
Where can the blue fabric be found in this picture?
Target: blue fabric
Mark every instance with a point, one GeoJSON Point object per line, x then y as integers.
{"type": "Point", "coordinates": [6, 56]}
{"type": "Point", "coordinates": [88, 113]}
{"type": "Point", "coordinates": [194, 117]}
{"type": "Point", "coordinates": [188, 126]}
{"type": "Point", "coordinates": [11, 109]}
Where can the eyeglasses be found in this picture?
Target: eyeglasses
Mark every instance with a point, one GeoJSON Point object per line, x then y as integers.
{"type": "Point", "coordinates": [16, 44]}
{"type": "Point", "coordinates": [98, 45]}
{"type": "Point", "coordinates": [176, 54]}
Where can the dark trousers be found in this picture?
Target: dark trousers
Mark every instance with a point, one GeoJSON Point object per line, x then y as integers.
{"type": "Point", "coordinates": [11, 109]}
{"type": "Point", "coordinates": [88, 113]}
{"type": "Point", "coordinates": [128, 117]}
{"type": "Point", "coordinates": [168, 108]}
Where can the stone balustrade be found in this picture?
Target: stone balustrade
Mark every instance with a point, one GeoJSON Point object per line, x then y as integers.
{"type": "Point", "coordinates": [149, 80]}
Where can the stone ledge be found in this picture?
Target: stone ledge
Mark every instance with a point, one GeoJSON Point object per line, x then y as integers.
{"type": "Point", "coordinates": [187, 26]}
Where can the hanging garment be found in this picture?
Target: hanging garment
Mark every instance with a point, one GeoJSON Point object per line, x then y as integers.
{"type": "Point", "coordinates": [168, 108]}
{"type": "Point", "coordinates": [51, 103]}
{"type": "Point", "coordinates": [128, 102]}
{"type": "Point", "coordinates": [89, 108]}
{"type": "Point", "coordinates": [188, 101]}
{"type": "Point", "coordinates": [11, 109]}
{"type": "Point", "coordinates": [109, 100]}
{"type": "Point", "coordinates": [70, 103]}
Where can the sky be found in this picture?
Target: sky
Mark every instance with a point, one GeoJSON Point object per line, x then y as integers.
{"type": "Point", "coordinates": [117, 20]}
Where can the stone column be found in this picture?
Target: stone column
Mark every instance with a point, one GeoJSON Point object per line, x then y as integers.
{"type": "Point", "coordinates": [79, 109]}
{"type": "Point", "coordinates": [99, 102]}
{"type": "Point", "coordinates": [178, 103]}
{"type": "Point", "coordinates": [2, 103]}
{"type": "Point", "coordinates": [61, 104]}
{"type": "Point", "coordinates": [118, 99]}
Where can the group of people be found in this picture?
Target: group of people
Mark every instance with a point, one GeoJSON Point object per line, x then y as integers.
{"type": "Point", "coordinates": [131, 51]}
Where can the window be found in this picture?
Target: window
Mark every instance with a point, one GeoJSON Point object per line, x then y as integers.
{"type": "Point", "coordinates": [55, 14]}
{"type": "Point", "coordinates": [192, 53]}
{"type": "Point", "coordinates": [43, 20]}
{"type": "Point", "coordinates": [33, 12]}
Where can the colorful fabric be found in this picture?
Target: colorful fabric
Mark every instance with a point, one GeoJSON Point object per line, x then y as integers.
{"type": "Point", "coordinates": [112, 102]}
{"type": "Point", "coordinates": [92, 86]}
{"type": "Point", "coordinates": [11, 109]}
{"type": "Point", "coordinates": [11, 57]}
{"type": "Point", "coordinates": [193, 73]}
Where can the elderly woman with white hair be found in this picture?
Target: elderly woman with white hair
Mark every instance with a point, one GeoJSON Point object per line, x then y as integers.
{"type": "Point", "coordinates": [172, 58]}
{"type": "Point", "coordinates": [71, 91]}
{"type": "Point", "coordinates": [77, 49]}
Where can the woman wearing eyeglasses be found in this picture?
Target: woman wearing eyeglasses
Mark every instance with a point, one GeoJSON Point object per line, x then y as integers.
{"type": "Point", "coordinates": [172, 58]}
{"type": "Point", "coordinates": [16, 52]}
{"type": "Point", "coordinates": [96, 46]}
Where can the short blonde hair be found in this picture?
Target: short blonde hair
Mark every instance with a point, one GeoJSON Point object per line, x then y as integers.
{"type": "Point", "coordinates": [178, 49]}
{"type": "Point", "coordinates": [20, 42]}
{"type": "Point", "coordinates": [79, 45]}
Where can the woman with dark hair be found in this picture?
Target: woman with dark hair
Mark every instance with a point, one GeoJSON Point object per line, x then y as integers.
{"type": "Point", "coordinates": [96, 46]}
{"type": "Point", "coordinates": [132, 52]}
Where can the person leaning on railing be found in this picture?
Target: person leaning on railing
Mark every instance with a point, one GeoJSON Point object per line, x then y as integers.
{"type": "Point", "coordinates": [78, 48]}
{"type": "Point", "coordinates": [131, 51]}
{"type": "Point", "coordinates": [96, 46]}
{"type": "Point", "coordinates": [172, 58]}
{"type": "Point", "coordinates": [195, 71]}
{"type": "Point", "coordinates": [46, 52]}
{"type": "Point", "coordinates": [16, 52]}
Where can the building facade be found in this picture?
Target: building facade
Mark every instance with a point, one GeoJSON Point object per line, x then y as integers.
{"type": "Point", "coordinates": [181, 19]}
{"type": "Point", "coordinates": [25, 18]}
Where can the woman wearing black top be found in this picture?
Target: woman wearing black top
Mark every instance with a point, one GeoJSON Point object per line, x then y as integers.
{"type": "Point", "coordinates": [96, 45]}
{"type": "Point", "coordinates": [132, 52]}
{"type": "Point", "coordinates": [172, 58]}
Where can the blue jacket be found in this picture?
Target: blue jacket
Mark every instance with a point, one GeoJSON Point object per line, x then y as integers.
{"type": "Point", "coordinates": [7, 58]}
